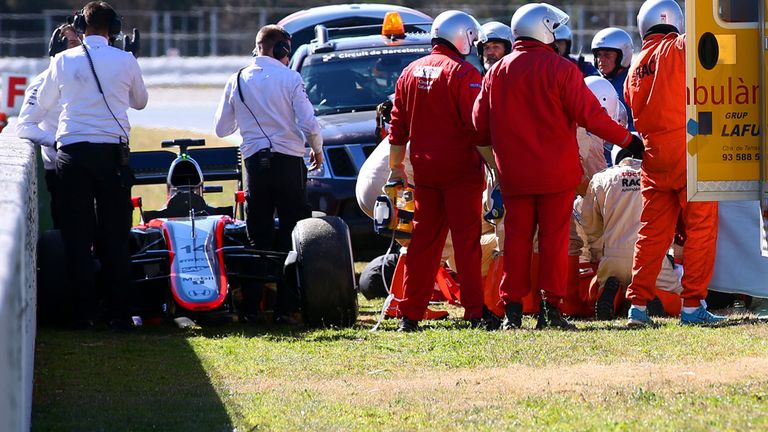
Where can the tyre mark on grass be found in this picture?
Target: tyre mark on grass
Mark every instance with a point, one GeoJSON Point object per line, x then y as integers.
{"type": "Point", "coordinates": [521, 381]}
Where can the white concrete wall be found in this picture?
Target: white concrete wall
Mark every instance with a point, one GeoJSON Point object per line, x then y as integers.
{"type": "Point", "coordinates": [18, 245]}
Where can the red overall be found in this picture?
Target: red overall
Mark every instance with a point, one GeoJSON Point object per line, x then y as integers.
{"type": "Point", "coordinates": [433, 109]}
{"type": "Point", "coordinates": [655, 92]}
{"type": "Point", "coordinates": [530, 105]}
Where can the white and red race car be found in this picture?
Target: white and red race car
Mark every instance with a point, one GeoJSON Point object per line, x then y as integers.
{"type": "Point", "coordinates": [192, 260]}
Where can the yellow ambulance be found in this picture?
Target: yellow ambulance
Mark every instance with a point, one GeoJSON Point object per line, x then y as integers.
{"type": "Point", "coordinates": [725, 99]}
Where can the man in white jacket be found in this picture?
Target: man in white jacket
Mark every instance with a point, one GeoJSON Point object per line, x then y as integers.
{"type": "Point", "coordinates": [95, 85]}
{"type": "Point", "coordinates": [611, 213]}
{"type": "Point", "coordinates": [267, 102]}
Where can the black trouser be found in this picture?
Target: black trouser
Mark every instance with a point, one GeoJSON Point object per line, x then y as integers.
{"type": "Point", "coordinates": [95, 212]}
{"type": "Point", "coordinates": [50, 183]}
{"type": "Point", "coordinates": [282, 187]}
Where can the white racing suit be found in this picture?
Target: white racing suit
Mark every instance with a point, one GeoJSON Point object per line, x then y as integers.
{"type": "Point", "coordinates": [611, 212]}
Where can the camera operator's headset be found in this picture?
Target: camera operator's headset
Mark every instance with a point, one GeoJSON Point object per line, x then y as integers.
{"type": "Point", "coordinates": [281, 50]}
{"type": "Point", "coordinates": [115, 27]}
{"type": "Point", "coordinates": [115, 24]}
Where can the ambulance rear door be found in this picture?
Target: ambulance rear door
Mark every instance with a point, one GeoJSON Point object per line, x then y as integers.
{"type": "Point", "coordinates": [725, 119]}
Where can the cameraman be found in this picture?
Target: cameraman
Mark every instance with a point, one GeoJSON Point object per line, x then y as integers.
{"type": "Point", "coordinates": [267, 102]}
{"type": "Point", "coordinates": [95, 86]}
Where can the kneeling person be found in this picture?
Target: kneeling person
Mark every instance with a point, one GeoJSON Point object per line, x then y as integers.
{"type": "Point", "coordinates": [611, 213]}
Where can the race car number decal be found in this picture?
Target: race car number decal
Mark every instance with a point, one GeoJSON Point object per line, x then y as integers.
{"type": "Point", "coordinates": [195, 267]}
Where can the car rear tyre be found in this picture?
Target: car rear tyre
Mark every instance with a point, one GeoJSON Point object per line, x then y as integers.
{"type": "Point", "coordinates": [325, 272]}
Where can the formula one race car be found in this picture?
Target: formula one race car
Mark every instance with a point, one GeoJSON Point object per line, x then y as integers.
{"type": "Point", "coordinates": [191, 260]}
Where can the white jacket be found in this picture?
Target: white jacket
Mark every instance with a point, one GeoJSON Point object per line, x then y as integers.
{"type": "Point", "coordinates": [374, 174]}
{"type": "Point", "coordinates": [275, 110]}
{"type": "Point", "coordinates": [38, 124]}
{"type": "Point", "coordinates": [70, 84]}
{"type": "Point", "coordinates": [612, 207]}
{"type": "Point", "coordinates": [592, 162]}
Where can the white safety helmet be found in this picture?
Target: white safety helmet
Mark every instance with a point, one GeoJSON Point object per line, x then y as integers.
{"type": "Point", "coordinates": [655, 12]}
{"type": "Point", "coordinates": [563, 32]}
{"type": "Point", "coordinates": [459, 29]}
{"type": "Point", "coordinates": [605, 94]}
{"type": "Point", "coordinates": [615, 39]}
{"type": "Point", "coordinates": [496, 32]}
{"type": "Point", "coordinates": [537, 21]}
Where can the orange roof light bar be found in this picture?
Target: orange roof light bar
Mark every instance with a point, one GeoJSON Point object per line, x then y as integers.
{"type": "Point", "coordinates": [393, 25]}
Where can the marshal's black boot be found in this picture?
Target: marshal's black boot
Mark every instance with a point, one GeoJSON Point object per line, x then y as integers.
{"type": "Point", "coordinates": [514, 316]}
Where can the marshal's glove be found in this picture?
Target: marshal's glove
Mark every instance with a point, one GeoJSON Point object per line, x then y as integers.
{"type": "Point", "coordinates": [636, 147]}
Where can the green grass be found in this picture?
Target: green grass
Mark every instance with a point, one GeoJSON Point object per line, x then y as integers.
{"type": "Point", "coordinates": [448, 377]}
